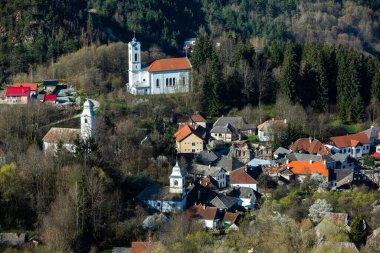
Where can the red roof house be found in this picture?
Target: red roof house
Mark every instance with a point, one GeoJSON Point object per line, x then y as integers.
{"type": "Point", "coordinates": [310, 145]}
{"type": "Point", "coordinates": [33, 86]}
{"type": "Point", "coordinates": [17, 95]}
{"type": "Point", "coordinates": [241, 178]}
{"type": "Point", "coordinates": [308, 168]}
{"type": "Point", "coordinates": [354, 144]}
{"type": "Point", "coordinates": [50, 98]}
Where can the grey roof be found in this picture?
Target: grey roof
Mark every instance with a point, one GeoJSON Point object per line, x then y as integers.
{"type": "Point", "coordinates": [236, 122]}
{"type": "Point", "coordinates": [223, 202]}
{"type": "Point", "coordinates": [246, 193]}
{"type": "Point", "coordinates": [258, 162]}
{"type": "Point", "coordinates": [344, 176]}
{"type": "Point", "coordinates": [199, 194]}
{"type": "Point", "coordinates": [206, 170]}
{"type": "Point", "coordinates": [206, 157]}
{"type": "Point", "coordinates": [281, 151]}
{"type": "Point", "coordinates": [155, 192]}
{"type": "Point", "coordinates": [228, 163]}
{"type": "Point", "coordinates": [154, 221]}
{"type": "Point", "coordinates": [223, 129]}
{"type": "Point", "coordinates": [121, 250]}
{"type": "Point", "coordinates": [308, 157]}
{"type": "Point", "coordinates": [372, 132]}
{"type": "Point", "coordinates": [340, 157]}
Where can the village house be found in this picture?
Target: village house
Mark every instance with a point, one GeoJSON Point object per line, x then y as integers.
{"type": "Point", "coordinates": [309, 145]}
{"type": "Point", "coordinates": [208, 216]}
{"type": "Point", "coordinates": [326, 159]}
{"type": "Point", "coordinates": [230, 219]}
{"type": "Point", "coordinates": [224, 202]}
{"type": "Point", "coordinates": [355, 145]}
{"type": "Point", "coordinates": [198, 194]}
{"type": "Point", "coordinates": [228, 163]}
{"type": "Point", "coordinates": [240, 178]}
{"type": "Point", "coordinates": [373, 135]}
{"type": "Point", "coordinates": [343, 161]}
{"type": "Point", "coordinates": [49, 85]}
{"type": "Point", "coordinates": [241, 151]}
{"type": "Point", "coordinates": [281, 153]}
{"type": "Point", "coordinates": [231, 128]}
{"type": "Point", "coordinates": [193, 120]}
{"type": "Point", "coordinates": [188, 140]}
{"type": "Point", "coordinates": [67, 137]}
{"type": "Point", "coordinates": [206, 157]}
{"type": "Point", "coordinates": [217, 173]}
{"type": "Point", "coordinates": [33, 87]}
{"type": "Point", "coordinates": [262, 151]}
{"type": "Point", "coordinates": [50, 98]}
{"type": "Point", "coordinates": [162, 76]}
{"type": "Point", "coordinates": [341, 179]}
{"type": "Point", "coordinates": [166, 199]}
{"type": "Point", "coordinates": [210, 183]}
{"type": "Point", "coordinates": [247, 197]}
{"type": "Point", "coordinates": [303, 169]}
{"type": "Point", "coordinates": [267, 129]}
{"type": "Point", "coordinates": [17, 95]}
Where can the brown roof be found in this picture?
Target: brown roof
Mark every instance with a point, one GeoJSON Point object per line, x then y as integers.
{"type": "Point", "coordinates": [210, 183]}
{"type": "Point", "coordinates": [170, 64]}
{"type": "Point", "coordinates": [240, 176]}
{"type": "Point", "coordinates": [193, 118]}
{"type": "Point", "coordinates": [232, 217]}
{"type": "Point", "coordinates": [264, 126]}
{"type": "Point", "coordinates": [312, 146]}
{"type": "Point", "coordinates": [144, 247]}
{"type": "Point", "coordinates": [185, 131]}
{"type": "Point", "coordinates": [202, 211]}
{"type": "Point", "coordinates": [351, 140]}
{"type": "Point", "coordinates": [32, 86]}
{"type": "Point", "coordinates": [64, 135]}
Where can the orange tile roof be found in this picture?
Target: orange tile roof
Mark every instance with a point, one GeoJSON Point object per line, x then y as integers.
{"type": "Point", "coordinates": [144, 247]}
{"type": "Point", "coordinates": [169, 64]}
{"type": "Point", "coordinates": [32, 86]}
{"type": "Point", "coordinates": [307, 168]}
{"type": "Point", "coordinates": [240, 176]}
{"type": "Point", "coordinates": [185, 131]}
{"type": "Point", "coordinates": [351, 140]}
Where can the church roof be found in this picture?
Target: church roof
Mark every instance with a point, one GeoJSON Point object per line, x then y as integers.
{"type": "Point", "coordinates": [169, 64]}
{"type": "Point", "coordinates": [64, 135]}
{"type": "Point", "coordinates": [177, 171]}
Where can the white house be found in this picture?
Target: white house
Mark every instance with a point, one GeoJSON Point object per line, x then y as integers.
{"type": "Point", "coordinates": [163, 76]}
{"type": "Point", "coordinates": [217, 173]}
{"type": "Point", "coordinates": [66, 137]}
{"type": "Point", "coordinates": [240, 178]}
{"type": "Point", "coordinates": [167, 199]}
{"type": "Point", "coordinates": [355, 145]}
{"type": "Point", "coordinates": [266, 129]}
{"type": "Point", "coordinates": [247, 197]}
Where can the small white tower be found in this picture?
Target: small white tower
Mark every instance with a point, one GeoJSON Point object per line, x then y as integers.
{"type": "Point", "coordinates": [134, 61]}
{"type": "Point", "coordinates": [177, 180]}
{"type": "Point", "coordinates": [88, 121]}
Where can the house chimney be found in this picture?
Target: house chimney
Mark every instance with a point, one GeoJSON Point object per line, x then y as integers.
{"type": "Point", "coordinates": [310, 139]}
{"type": "Point", "coordinates": [324, 162]}
{"type": "Point", "coordinates": [204, 206]}
{"type": "Point", "coordinates": [209, 166]}
{"type": "Point", "coordinates": [285, 121]}
{"type": "Point", "coordinates": [311, 161]}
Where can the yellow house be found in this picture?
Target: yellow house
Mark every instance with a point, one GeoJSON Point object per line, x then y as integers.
{"type": "Point", "coordinates": [188, 140]}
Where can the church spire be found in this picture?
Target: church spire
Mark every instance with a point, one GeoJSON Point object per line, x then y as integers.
{"type": "Point", "coordinates": [177, 180]}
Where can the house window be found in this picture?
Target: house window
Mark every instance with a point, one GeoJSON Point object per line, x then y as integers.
{"type": "Point", "coordinates": [175, 182]}
{"type": "Point", "coordinates": [85, 120]}
{"type": "Point", "coordinates": [158, 204]}
{"type": "Point", "coordinates": [167, 82]}
{"type": "Point", "coordinates": [158, 83]}
{"type": "Point", "coordinates": [170, 81]}
{"type": "Point", "coordinates": [193, 144]}
{"type": "Point", "coordinates": [193, 151]}
{"type": "Point", "coordinates": [173, 81]}
{"type": "Point", "coordinates": [183, 80]}
{"type": "Point", "coordinates": [135, 57]}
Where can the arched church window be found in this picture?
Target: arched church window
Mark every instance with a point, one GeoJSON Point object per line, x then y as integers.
{"type": "Point", "coordinates": [167, 81]}
{"type": "Point", "coordinates": [175, 182]}
{"type": "Point", "coordinates": [135, 57]}
{"type": "Point", "coordinates": [85, 120]}
{"type": "Point", "coordinates": [170, 81]}
{"type": "Point", "coordinates": [173, 81]}
{"type": "Point", "coordinates": [158, 83]}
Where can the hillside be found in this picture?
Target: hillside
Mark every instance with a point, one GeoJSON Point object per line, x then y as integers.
{"type": "Point", "coordinates": [38, 31]}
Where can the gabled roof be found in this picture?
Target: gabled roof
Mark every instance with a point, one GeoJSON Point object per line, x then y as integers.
{"type": "Point", "coordinates": [193, 118]}
{"type": "Point", "coordinates": [245, 193]}
{"type": "Point", "coordinates": [229, 163]}
{"type": "Point", "coordinates": [206, 170]}
{"type": "Point", "coordinates": [264, 126]}
{"type": "Point", "coordinates": [307, 168]}
{"type": "Point", "coordinates": [210, 183]}
{"type": "Point", "coordinates": [17, 91]}
{"type": "Point", "coordinates": [63, 135]}
{"type": "Point", "coordinates": [202, 211]}
{"type": "Point", "coordinates": [198, 194]}
{"type": "Point", "coordinates": [351, 140]}
{"type": "Point", "coordinates": [222, 201]}
{"type": "Point", "coordinates": [144, 247]}
{"type": "Point", "coordinates": [236, 122]}
{"type": "Point", "coordinates": [240, 176]}
{"type": "Point", "coordinates": [170, 64]}
{"type": "Point", "coordinates": [281, 151]}
{"type": "Point", "coordinates": [206, 157]}
{"type": "Point", "coordinates": [228, 128]}
{"type": "Point", "coordinates": [312, 146]}
{"type": "Point", "coordinates": [184, 131]}
{"type": "Point", "coordinates": [259, 162]}
{"type": "Point", "coordinates": [32, 86]}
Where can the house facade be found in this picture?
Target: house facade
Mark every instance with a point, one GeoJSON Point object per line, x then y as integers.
{"type": "Point", "coordinates": [240, 178]}
{"type": "Point", "coordinates": [163, 76]}
{"type": "Point", "coordinates": [266, 129]}
{"type": "Point", "coordinates": [355, 145]}
{"type": "Point", "coordinates": [217, 173]}
{"type": "Point", "coordinates": [188, 140]}
{"type": "Point", "coordinates": [17, 95]}
{"type": "Point", "coordinates": [231, 128]}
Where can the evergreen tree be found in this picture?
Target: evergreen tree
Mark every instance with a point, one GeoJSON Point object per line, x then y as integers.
{"type": "Point", "coordinates": [289, 72]}
{"type": "Point", "coordinates": [359, 230]}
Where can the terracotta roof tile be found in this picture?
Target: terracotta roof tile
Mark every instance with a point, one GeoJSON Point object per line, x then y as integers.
{"type": "Point", "coordinates": [232, 217]}
{"type": "Point", "coordinates": [201, 211]}
{"type": "Point", "coordinates": [346, 140]}
{"type": "Point", "coordinates": [144, 247]}
{"type": "Point", "coordinates": [170, 64]}
{"type": "Point", "coordinates": [184, 131]}
{"type": "Point", "coordinates": [32, 86]}
{"type": "Point", "coordinates": [312, 146]}
{"type": "Point", "coordinates": [307, 168]}
{"type": "Point", "coordinates": [240, 176]}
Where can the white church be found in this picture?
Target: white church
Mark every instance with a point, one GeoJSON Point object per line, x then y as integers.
{"type": "Point", "coordinates": [167, 199]}
{"type": "Point", "coordinates": [163, 76]}
{"type": "Point", "coordinates": [68, 136]}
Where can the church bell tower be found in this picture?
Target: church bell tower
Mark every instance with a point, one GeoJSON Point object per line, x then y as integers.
{"type": "Point", "coordinates": [177, 180]}
{"type": "Point", "coordinates": [88, 121]}
{"type": "Point", "coordinates": [134, 61]}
